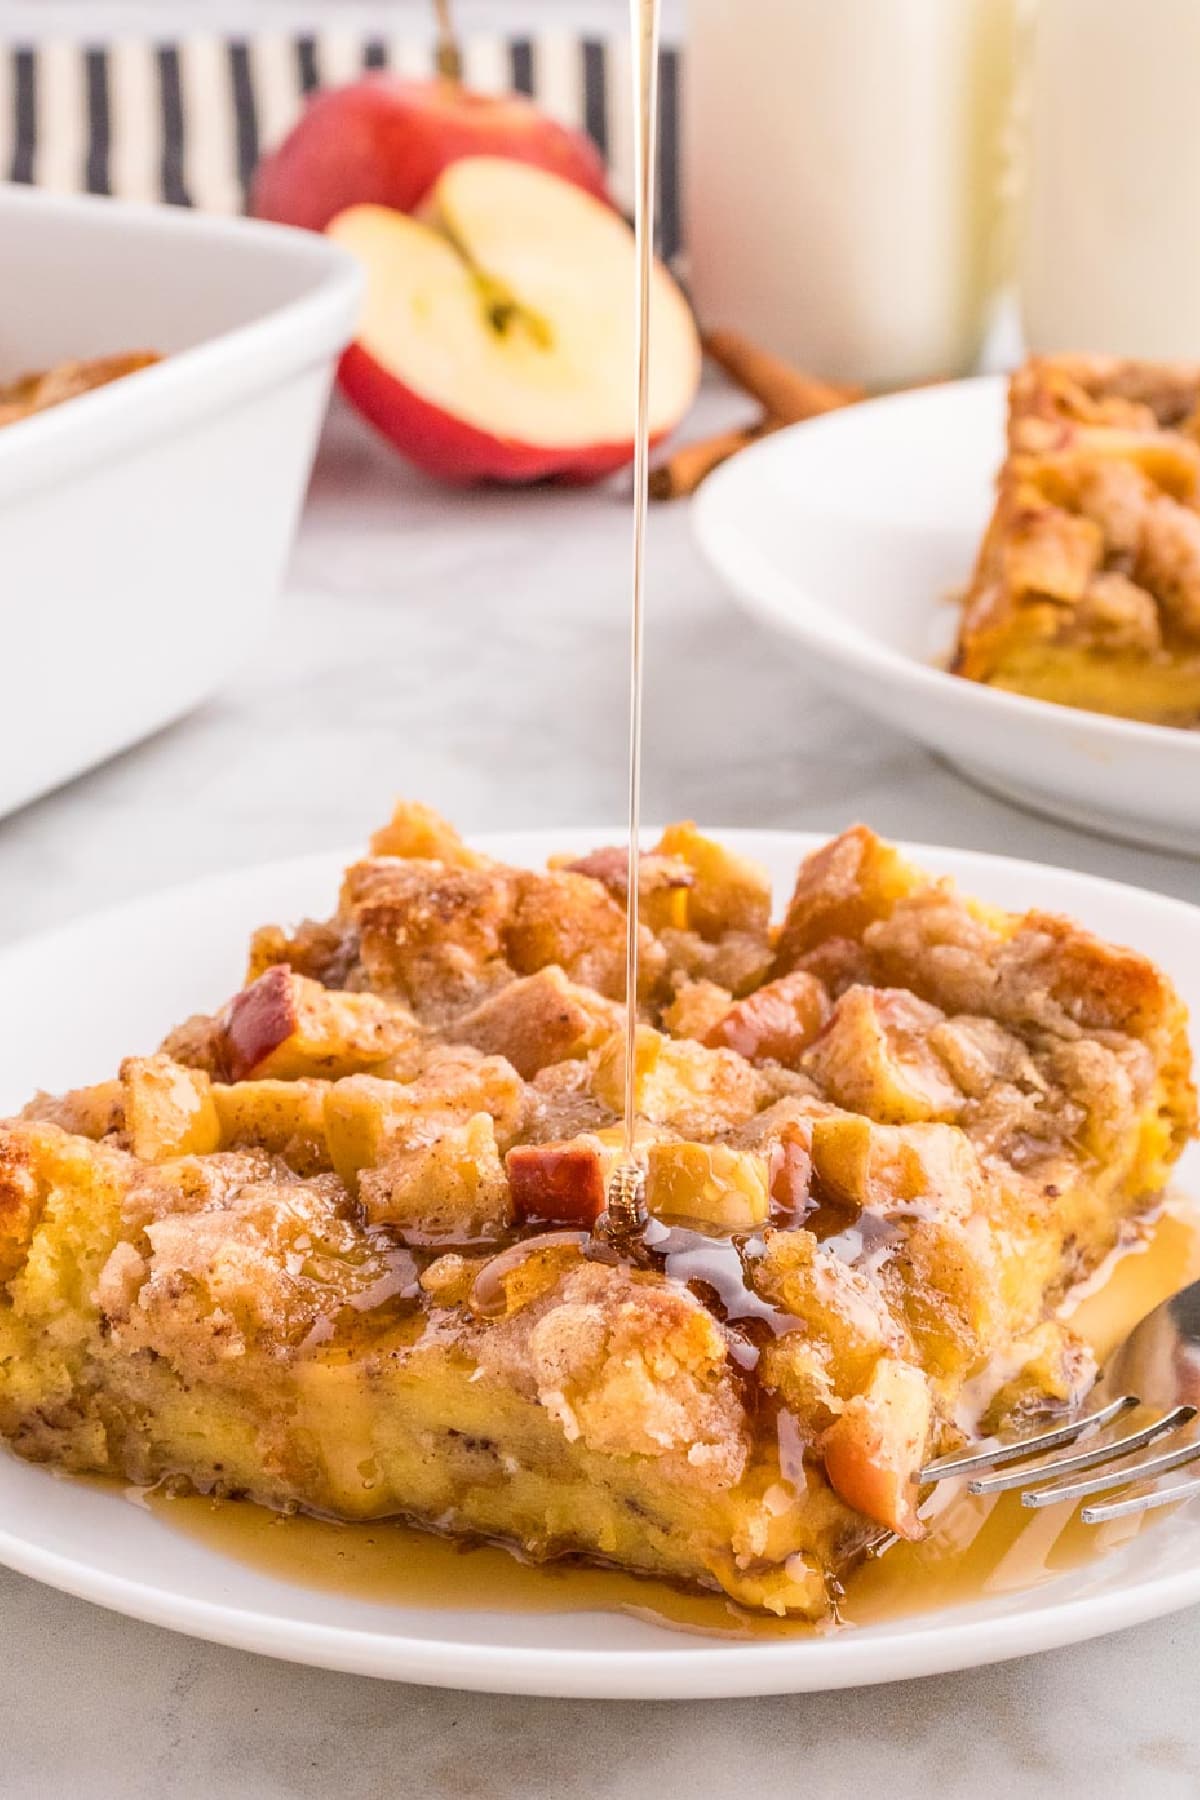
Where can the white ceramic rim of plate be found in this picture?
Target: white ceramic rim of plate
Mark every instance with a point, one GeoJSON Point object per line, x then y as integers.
{"type": "Point", "coordinates": [784, 603]}
{"type": "Point", "coordinates": [919, 1645]}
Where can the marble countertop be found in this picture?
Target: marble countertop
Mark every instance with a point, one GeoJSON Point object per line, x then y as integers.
{"type": "Point", "coordinates": [470, 651]}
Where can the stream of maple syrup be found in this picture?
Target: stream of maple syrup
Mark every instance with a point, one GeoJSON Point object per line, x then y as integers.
{"type": "Point", "coordinates": [626, 1188]}
{"type": "Point", "coordinates": [977, 1546]}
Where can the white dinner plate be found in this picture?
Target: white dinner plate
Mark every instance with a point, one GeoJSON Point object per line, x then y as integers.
{"type": "Point", "coordinates": [851, 533]}
{"type": "Point", "coordinates": [76, 1000]}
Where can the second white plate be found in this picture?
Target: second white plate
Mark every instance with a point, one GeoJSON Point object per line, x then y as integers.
{"type": "Point", "coordinates": [851, 533]}
{"type": "Point", "coordinates": [76, 1000]}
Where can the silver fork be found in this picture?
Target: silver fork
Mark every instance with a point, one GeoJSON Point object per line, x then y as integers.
{"type": "Point", "coordinates": [1156, 1369]}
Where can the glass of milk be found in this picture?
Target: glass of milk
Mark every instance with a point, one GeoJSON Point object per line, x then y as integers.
{"type": "Point", "coordinates": [842, 177]}
{"type": "Point", "coordinates": [1110, 245]}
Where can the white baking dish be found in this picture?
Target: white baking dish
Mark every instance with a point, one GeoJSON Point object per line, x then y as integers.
{"type": "Point", "coordinates": [144, 527]}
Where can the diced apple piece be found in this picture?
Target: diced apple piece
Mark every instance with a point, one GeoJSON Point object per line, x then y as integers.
{"type": "Point", "coordinates": [497, 338]}
{"type": "Point", "coordinates": [361, 1114]}
{"type": "Point", "coordinates": [776, 1022]}
{"type": "Point", "coordinates": [286, 1026]}
{"type": "Point", "coordinates": [367, 1118]}
{"type": "Point", "coordinates": [556, 1184]}
{"type": "Point", "coordinates": [663, 883]}
{"type": "Point", "coordinates": [791, 1169]}
{"type": "Point", "coordinates": [885, 1167]}
{"type": "Point", "coordinates": [875, 1448]}
{"type": "Point", "coordinates": [259, 1020]}
{"type": "Point", "coordinates": [695, 1090]}
{"type": "Point", "coordinates": [730, 892]}
{"type": "Point", "coordinates": [286, 1118]}
{"type": "Point", "coordinates": [452, 1186]}
{"type": "Point", "coordinates": [873, 1057]}
{"type": "Point", "coordinates": [168, 1109]}
{"type": "Point", "coordinates": [537, 1020]}
{"type": "Point", "coordinates": [708, 1184]}
{"type": "Point", "coordinates": [782, 1134]}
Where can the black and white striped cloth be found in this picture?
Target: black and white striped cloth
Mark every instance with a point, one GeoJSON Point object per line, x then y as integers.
{"type": "Point", "coordinates": [185, 122]}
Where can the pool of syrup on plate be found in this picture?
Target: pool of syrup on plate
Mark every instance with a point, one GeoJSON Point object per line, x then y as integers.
{"type": "Point", "coordinates": [976, 1546]}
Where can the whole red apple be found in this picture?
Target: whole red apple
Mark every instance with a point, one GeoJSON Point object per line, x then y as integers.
{"type": "Point", "coordinates": [385, 140]}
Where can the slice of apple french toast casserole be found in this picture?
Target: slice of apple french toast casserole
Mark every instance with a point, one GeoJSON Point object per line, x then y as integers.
{"type": "Point", "coordinates": [332, 1246]}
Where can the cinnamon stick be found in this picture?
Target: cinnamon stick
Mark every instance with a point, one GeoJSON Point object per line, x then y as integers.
{"type": "Point", "coordinates": [786, 394]}
{"type": "Point", "coordinates": [681, 473]}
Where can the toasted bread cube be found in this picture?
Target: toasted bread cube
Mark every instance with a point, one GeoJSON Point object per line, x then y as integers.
{"type": "Point", "coordinates": [432, 934]}
{"type": "Point", "coordinates": [453, 1186]}
{"type": "Point", "coordinates": [572, 920]}
{"type": "Point", "coordinates": [875, 1449]}
{"type": "Point", "coordinates": [841, 889]}
{"type": "Point", "coordinates": [22, 1196]}
{"type": "Point", "coordinates": [198, 1043]}
{"type": "Point", "coordinates": [942, 1281]}
{"type": "Point", "coordinates": [873, 1057]}
{"type": "Point", "coordinates": [696, 1008]}
{"type": "Point", "coordinates": [710, 1184]}
{"type": "Point", "coordinates": [326, 950]}
{"type": "Point", "coordinates": [729, 892]}
{"type": "Point", "coordinates": [557, 1184]}
{"type": "Point", "coordinates": [285, 1118]}
{"type": "Point", "coordinates": [90, 1112]}
{"type": "Point", "coordinates": [168, 1109]}
{"type": "Point", "coordinates": [840, 1315]}
{"type": "Point", "coordinates": [776, 1022]}
{"type": "Point", "coordinates": [418, 833]}
{"type": "Point", "coordinates": [456, 1078]}
{"type": "Point", "coordinates": [738, 961]}
{"type": "Point", "coordinates": [285, 1026]}
{"type": "Point", "coordinates": [537, 1020]}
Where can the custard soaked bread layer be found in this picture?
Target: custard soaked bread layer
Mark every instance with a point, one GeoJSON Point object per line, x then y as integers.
{"type": "Point", "coordinates": [1087, 587]}
{"type": "Point", "coordinates": [332, 1245]}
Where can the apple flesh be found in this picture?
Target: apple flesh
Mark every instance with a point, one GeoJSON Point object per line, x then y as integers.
{"type": "Point", "coordinates": [258, 1020]}
{"type": "Point", "coordinates": [497, 340]}
{"type": "Point", "coordinates": [556, 1184]}
{"type": "Point", "coordinates": [385, 140]}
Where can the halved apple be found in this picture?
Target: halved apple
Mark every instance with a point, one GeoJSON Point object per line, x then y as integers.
{"type": "Point", "coordinates": [497, 341]}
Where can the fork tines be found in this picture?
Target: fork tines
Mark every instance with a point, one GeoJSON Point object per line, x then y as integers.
{"type": "Point", "coordinates": [1052, 1481]}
